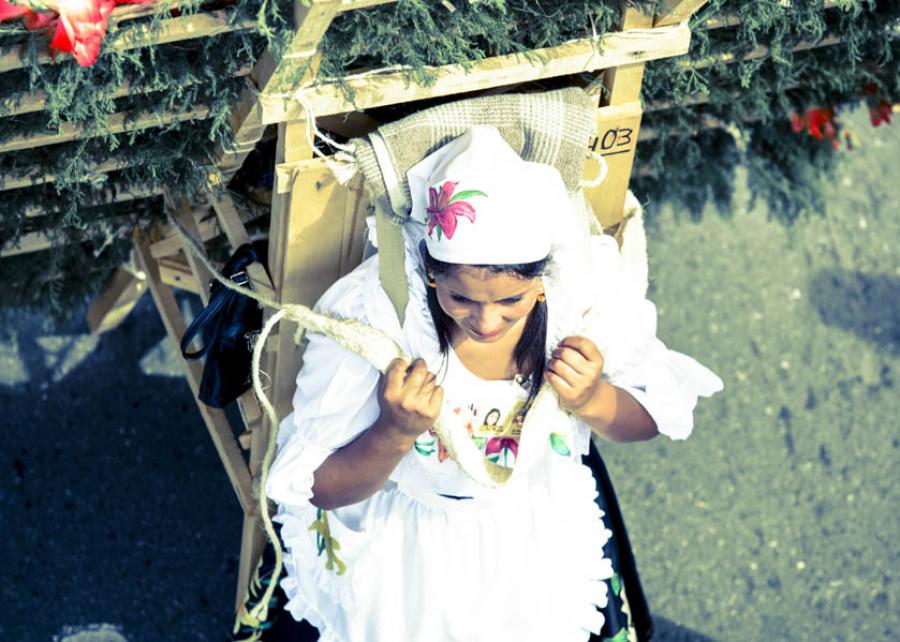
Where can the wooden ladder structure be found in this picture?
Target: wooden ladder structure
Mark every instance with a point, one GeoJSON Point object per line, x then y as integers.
{"type": "Point", "coordinates": [317, 228]}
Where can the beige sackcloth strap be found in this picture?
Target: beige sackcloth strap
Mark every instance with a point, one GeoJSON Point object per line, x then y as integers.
{"type": "Point", "coordinates": [391, 252]}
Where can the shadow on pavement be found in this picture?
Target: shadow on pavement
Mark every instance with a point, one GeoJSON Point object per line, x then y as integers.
{"type": "Point", "coordinates": [667, 631]}
{"type": "Point", "coordinates": [866, 304]}
{"type": "Point", "coordinates": [117, 507]}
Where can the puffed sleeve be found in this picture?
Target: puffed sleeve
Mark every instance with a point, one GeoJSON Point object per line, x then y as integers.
{"type": "Point", "coordinates": [665, 382]}
{"type": "Point", "coordinates": [335, 401]}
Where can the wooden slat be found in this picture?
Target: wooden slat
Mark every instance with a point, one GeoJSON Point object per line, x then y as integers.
{"type": "Point", "coordinates": [761, 51]}
{"type": "Point", "coordinates": [616, 141]}
{"type": "Point", "coordinates": [373, 89]}
{"type": "Point", "coordinates": [353, 226]}
{"type": "Point", "coordinates": [230, 221]}
{"type": "Point", "coordinates": [208, 226]}
{"type": "Point", "coordinates": [31, 242]}
{"type": "Point", "coordinates": [686, 101]}
{"type": "Point", "coordinates": [201, 25]}
{"type": "Point", "coordinates": [253, 542]}
{"type": "Point", "coordinates": [350, 5]}
{"type": "Point", "coordinates": [618, 124]}
{"type": "Point", "coordinates": [247, 124]}
{"type": "Point", "coordinates": [39, 241]}
{"type": "Point", "coordinates": [733, 19]}
{"type": "Point", "coordinates": [37, 176]}
{"type": "Point", "coordinates": [181, 209]}
{"type": "Point", "coordinates": [123, 194]}
{"type": "Point", "coordinates": [722, 22]}
{"type": "Point", "coordinates": [124, 12]}
{"type": "Point", "coordinates": [698, 99]}
{"type": "Point", "coordinates": [117, 299]}
{"type": "Point", "coordinates": [677, 11]}
{"type": "Point", "coordinates": [170, 243]}
{"type": "Point", "coordinates": [707, 122]}
{"type": "Point", "coordinates": [118, 123]}
{"type": "Point", "coordinates": [216, 423]}
{"type": "Point", "coordinates": [322, 242]}
{"type": "Point", "coordinates": [623, 83]}
{"type": "Point", "coordinates": [175, 272]}
{"type": "Point", "coordinates": [37, 101]}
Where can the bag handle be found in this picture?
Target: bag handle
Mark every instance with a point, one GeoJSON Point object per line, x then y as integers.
{"type": "Point", "coordinates": [208, 316]}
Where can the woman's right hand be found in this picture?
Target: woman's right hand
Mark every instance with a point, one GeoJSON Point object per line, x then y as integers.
{"type": "Point", "coordinates": [409, 399]}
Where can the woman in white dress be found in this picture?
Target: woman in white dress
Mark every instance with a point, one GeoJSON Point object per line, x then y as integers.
{"type": "Point", "coordinates": [387, 538]}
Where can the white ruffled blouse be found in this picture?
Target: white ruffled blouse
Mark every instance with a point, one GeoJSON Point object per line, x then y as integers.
{"type": "Point", "coordinates": [433, 555]}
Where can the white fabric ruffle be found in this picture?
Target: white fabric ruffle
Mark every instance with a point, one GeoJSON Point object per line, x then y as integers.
{"type": "Point", "coordinates": [525, 565]}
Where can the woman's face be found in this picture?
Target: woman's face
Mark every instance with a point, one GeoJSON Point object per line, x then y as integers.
{"type": "Point", "coordinates": [486, 305]}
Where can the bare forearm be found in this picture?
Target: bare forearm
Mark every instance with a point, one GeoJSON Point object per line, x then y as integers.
{"type": "Point", "coordinates": [360, 468]}
{"type": "Point", "coordinates": [615, 415]}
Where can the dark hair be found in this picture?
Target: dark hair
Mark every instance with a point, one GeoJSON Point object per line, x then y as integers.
{"type": "Point", "coordinates": [530, 352]}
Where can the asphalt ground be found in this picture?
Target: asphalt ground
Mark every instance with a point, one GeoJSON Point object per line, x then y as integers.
{"type": "Point", "coordinates": [776, 520]}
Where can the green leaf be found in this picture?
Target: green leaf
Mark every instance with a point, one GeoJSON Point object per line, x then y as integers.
{"type": "Point", "coordinates": [621, 636]}
{"type": "Point", "coordinates": [558, 443]}
{"type": "Point", "coordinates": [466, 193]}
{"type": "Point", "coordinates": [426, 450]}
{"type": "Point", "coordinates": [616, 583]}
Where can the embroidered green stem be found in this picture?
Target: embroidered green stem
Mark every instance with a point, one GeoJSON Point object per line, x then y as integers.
{"type": "Point", "coordinates": [325, 543]}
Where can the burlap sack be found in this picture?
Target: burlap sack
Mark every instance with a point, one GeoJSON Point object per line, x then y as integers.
{"type": "Point", "coordinates": [552, 127]}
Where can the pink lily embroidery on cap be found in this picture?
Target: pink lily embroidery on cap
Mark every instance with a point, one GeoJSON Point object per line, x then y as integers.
{"type": "Point", "coordinates": [445, 207]}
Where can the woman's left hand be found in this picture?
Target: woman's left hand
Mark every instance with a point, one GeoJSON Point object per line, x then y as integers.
{"type": "Point", "coordinates": [575, 371]}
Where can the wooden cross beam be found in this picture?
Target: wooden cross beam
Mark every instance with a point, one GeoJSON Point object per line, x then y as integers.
{"type": "Point", "coordinates": [271, 75]}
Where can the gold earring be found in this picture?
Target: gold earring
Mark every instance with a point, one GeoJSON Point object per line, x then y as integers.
{"type": "Point", "coordinates": [431, 282]}
{"type": "Point", "coordinates": [541, 296]}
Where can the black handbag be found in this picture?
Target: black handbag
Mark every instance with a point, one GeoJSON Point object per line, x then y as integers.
{"type": "Point", "coordinates": [228, 326]}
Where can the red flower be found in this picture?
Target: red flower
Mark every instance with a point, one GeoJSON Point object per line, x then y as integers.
{"type": "Point", "coordinates": [820, 123]}
{"type": "Point", "coordinates": [502, 447]}
{"type": "Point", "coordinates": [444, 208]}
{"type": "Point", "coordinates": [80, 24]}
{"type": "Point", "coordinates": [36, 21]}
{"type": "Point", "coordinates": [819, 118]}
{"type": "Point", "coordinates": [880, 113]}
{"type": "Point", "coordinates": [8, 10]}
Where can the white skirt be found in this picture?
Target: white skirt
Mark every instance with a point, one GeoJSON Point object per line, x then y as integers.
{"type": "Point", "coordinates": [525, 564]}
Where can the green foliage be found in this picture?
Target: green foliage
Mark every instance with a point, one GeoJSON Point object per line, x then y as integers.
{"type": "Point", "coordinates": [755, 99]}
{"type": "Point", "coordinates": [750, 99]}
{"type": "Point", "coordinates": [60, 279]}
{"type": "Point", "coordinates": [416, 33]}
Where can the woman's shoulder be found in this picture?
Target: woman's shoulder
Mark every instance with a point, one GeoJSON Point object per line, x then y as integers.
{"type": "Point", "coordinates": [356, 295]}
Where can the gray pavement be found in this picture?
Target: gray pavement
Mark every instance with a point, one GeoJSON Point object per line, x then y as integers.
{"type": "Point", "coordinates": [118, 518]}
{"type": "Point", "coordinates": [776, 520]}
